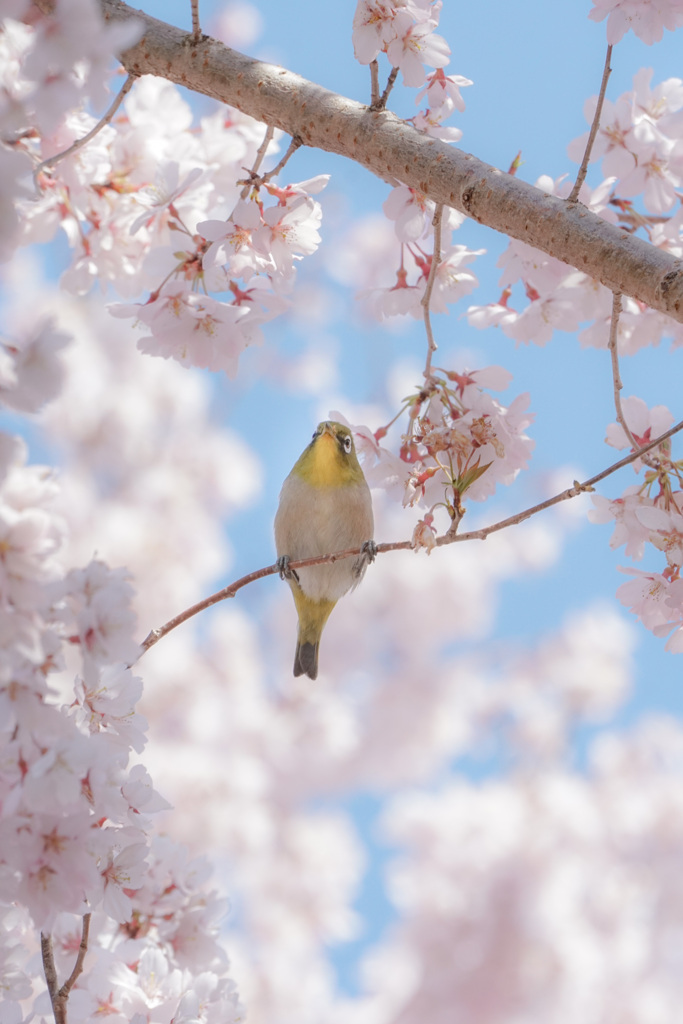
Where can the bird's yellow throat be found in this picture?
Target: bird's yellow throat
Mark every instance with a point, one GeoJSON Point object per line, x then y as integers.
{"type": "Point", "coordinates": [323, 465]}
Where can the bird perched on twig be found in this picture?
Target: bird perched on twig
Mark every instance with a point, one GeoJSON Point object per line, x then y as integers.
{"type": "Point", "coordinates": [325, 506]}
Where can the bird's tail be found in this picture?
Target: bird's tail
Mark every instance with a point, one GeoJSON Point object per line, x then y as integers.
{"type": "Point", "coordinates": [312, 618]}
{"type": "Point", "coordinates": [306, 660]}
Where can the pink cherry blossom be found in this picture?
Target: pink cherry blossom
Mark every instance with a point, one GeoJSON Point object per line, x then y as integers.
{"type": "Point", "coordinates": [375, 24]}
{"type": "Point", "coordinates": [647, 18]}
{"type": "Point", "coordinates": [411, 211]}
{"type": "Point", "coordinates": [443, 91]}
{"type": "Point", "coordinates": [32, 373]}
{"type": "Point", "coordinates": [645, 425]}
{"type": "Point", "coordinates": [418, 46]}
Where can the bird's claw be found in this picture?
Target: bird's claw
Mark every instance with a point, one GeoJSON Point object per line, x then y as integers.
{"type": "Point", "coordinates": [368, 553]}
{"type": "Point", "coordinates": [283, 568]}
{"type": "Point", "coordinates": [369, 549]}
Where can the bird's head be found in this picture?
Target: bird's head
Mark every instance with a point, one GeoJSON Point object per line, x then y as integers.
{"type": "Point", "coordinates": [330, 459]}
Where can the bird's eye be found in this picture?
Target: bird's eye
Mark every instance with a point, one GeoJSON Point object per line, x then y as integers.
{"type": "Point", "coordinates": [348, 444]}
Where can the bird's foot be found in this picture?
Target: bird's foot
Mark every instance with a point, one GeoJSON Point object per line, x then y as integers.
{"type": "Point", "coordinates": [369, 549]}
{"type": "Point", "coordinates": [283, 568]}
{"type": "Point", "coordinates": [368, 554]}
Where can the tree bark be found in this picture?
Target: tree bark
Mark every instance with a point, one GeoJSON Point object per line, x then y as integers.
{"type": "Point", "coordinates": [396, 152]}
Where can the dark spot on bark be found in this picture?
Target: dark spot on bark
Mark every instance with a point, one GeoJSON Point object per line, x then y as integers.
{"type": "Point", "coordinates": [667, 281]}
{"type": "Point", "coordinates": [467, 196]}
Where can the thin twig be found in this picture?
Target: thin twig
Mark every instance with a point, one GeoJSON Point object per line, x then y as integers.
{"type": "Point", "coordinates": [616, 376]}
{"type": "Point", "coordinates": [267, 139]}
{"type": "Point", "coordinates": [374, 84]}
{"type": "Point", "coordinates": [294, 144]}
{"type": "Point", "coordinates": [50, 972]}
{"type": "Point", "coordinates": [583, 169]}
{"type": "Point", "coordinates": [404, 545]}
{"type": "Point", "coordinates": [382, 101]}
{"type": "Point", "coordinates": [59, 997]}
{"type": "Point", "coordinates": [196, 30]}
{"type": "Point", "coordinates": [79, 143]}
{"type": "Point", "coordinates": [427, 297]}
{"type": "Point", "coordinates": [80, 959]}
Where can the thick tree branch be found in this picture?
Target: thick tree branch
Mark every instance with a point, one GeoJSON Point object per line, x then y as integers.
{"type": "Point", "coordinates": [394, 150]}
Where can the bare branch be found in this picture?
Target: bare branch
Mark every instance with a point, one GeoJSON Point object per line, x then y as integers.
{"type": "Point", "coordinates": [374, 84]}
{"type": "Point", "coordinates": [59, 997]}
{"type": "Point", "coordinates": [583, 169]}
{"type": "Point", "coordinates": [382, 101]}
{"type": "Point", "coordinates": [616, 376]}
{"type": "Point", "coordinates": [403, 545]}
{"type": "Point", "coordinates": [427, 297]}
{"type": "Point", "coordinates": [291, 150]}
{"type": "Point", "coordinates": [396, 151]}
{"type": "Point", "coordinates": [80, 959]}
{"type": "Point", "coordinates": [79, 143]}
{"type": "Point", "coordinates": [196, 30]}
{"type": "Point", "coordinates": [258, 160]}
{"type": "Point", "coordinates": [50, 972]}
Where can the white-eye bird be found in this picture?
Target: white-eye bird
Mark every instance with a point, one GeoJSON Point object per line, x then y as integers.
{"type": "Point", "coordinates": [325, 506]}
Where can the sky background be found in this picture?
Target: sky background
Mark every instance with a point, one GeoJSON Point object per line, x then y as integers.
{"type": "Point", "coordinates": [533, 65]}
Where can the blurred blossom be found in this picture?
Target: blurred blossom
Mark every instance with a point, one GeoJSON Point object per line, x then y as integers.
{"type": "Point", "coordinates": [238, 24]}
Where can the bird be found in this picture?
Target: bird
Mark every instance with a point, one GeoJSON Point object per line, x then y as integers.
{"type": "Point", "coordinates": [325, 506]}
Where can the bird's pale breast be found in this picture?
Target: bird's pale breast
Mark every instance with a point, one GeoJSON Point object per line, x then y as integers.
{"type": "Point", "coordinates": [318, 520]}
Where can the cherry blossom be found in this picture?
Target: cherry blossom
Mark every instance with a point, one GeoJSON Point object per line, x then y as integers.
{"type": "Point", "coordinates": [418, 46]}
{"type": "Point", "coordinates": [645, 424]}
{"type": "Point", "coordinates": [404, 31]}
{"type": "Point", "coordinates": [31, 370]}
{"type": "Point", "coordinates": [648, 19]}
{"type": "Point", "coordinates": [375, 24]}
{"type": "Point", "coordinates": [411, 212]}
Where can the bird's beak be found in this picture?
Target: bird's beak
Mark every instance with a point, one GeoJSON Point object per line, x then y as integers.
{"type": "Point", "coordinates": [327, 429]}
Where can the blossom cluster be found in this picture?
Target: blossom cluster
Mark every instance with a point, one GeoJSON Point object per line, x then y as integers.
{"type": "Point", "coordinates": [257, 244]}
{"type": "Point", "coordinates": [404, 31]}
{"type": "Point", "coordinates": [460, 441]}
{"type": "Point", "coordinates": [640, 143]}
{"type": "Point", "coordinates": [409, 245]}
{"type": "Point", "coordinates": [554, 883]}
{"type": "Point", "coordinates": [649, 515]}
{"type": "Point", "coordinates": [646, 18]}
{"type": "Point", "coordinates": [164, 961]}
{"type": "Point", "coordinates": [76, 805]}
{"type": "Point", "coordinates": [46, 70]}
{"type": "Point", "coordinates": [154, 202]}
